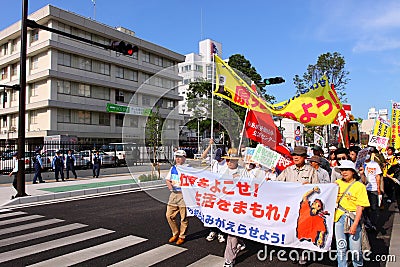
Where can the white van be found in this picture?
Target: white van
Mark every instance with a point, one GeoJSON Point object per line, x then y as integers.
{"type": "Point", "coordinates": [121, 151]}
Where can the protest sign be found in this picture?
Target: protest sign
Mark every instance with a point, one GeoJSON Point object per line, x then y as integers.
{"type": "Point", "coordinates": [265, 156]}
{"type": "Point", "coordinates": [275, 213]}
{"type": "Point", "coordinates": [361, 156]}
{"type": "Point", "coordinates": [378, 141]}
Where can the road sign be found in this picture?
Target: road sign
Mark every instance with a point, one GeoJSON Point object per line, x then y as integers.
{"type": "Point", "coordinates": [297, 132]}
{"type": "Point", "coordinates": [297, 138]}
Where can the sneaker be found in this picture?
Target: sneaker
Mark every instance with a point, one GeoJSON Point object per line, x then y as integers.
{"type": "Point", "coordinates": [241, 246]}
{"type": "Point", "coordinates": [180, 241]}
{"type": "Point", "coordinates": [228, 264]}
{"type": "Point", "coordinates": [34, 182]}
{"type": "Point", "coordinates": [173, 239]}
{"type": "Point", "coordinates": [211, 236]}
{"type": "Point", "coordinates": [221, 238]}
{"type": "Point", "coordinates": [42, 182]}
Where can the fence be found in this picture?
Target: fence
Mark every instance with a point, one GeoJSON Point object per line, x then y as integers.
{"type": "Point", "coordinates": [131, 155]}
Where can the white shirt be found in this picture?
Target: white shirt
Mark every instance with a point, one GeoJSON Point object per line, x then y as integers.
{"type": "Point", "coordinates": [371, 170]}
{"type": "Point", "coordinates": [218, 167]}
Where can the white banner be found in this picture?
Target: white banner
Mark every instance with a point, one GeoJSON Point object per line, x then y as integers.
{"type": "Point", "coordinates": [276, 213]}
{"type": "Point", "coordinates": [378, 141]}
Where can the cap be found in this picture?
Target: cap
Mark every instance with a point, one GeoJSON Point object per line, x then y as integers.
{"type": "Point", "coordinates": [346, 164]}
{"type": "Point", "coordinates": [299, 151]}
{"type": "Point", "coordinates": [232, 154]}
{"type": "Point", "coordinates": [38, 149]}
{"type": "Point", "coordinates": [180, 153]}
{"type": "Point", "coordinates": [332, 148]}
{"type": "Point", "coordinates": [15, 154]}
{"type": "Point", "coordinates": [316, 159]}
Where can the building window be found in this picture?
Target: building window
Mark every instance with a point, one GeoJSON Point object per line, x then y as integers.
{"type": "Point", "coordinates": [80, 117]}
{"type": "Point", "coordinates": [14, 45]}
{"type": "Point", "coordinates": [4, 49]}
{"type": "Point", "coordinates": [4, 73]}
{"type": "Point", "coordinates": [64, 59]}
{"type": "Point", "coordinates": [64, 115]}
{"type": "Point", "coordinates": [146, 101]}
{"type": "Point", "coordinates": [64, 87]}
{"type": "Point", "coordinates": [33, 117]}
{"type": "Point", "coordinates": [14, 69]}
{"type": "Point", "coordinates": [4, 121]}
{"type": "Point", "coordinates": [134, 99]}
{"type": "Point", "coordinates": [119, 120]}
{"type": "Point", "coordinates": [119, 72]}
{"type": "Point", "coordinates": [100, 92]}
{"type": "Point", "coordinates": [34, 62]}
{"type": "Point", "coordinates": [119, 96]}
{"type": "Point", "coordinates": [104, 119]}
{"type": "Point", "coordinates": [34, 35]}
{"type": "Point", "coordinates": [14, 95]}
{"type": "Point", "coordinates": [134, 121]}
{"type": "Point", "coordinates": [146, 56]}
{"type": "Point", "coordinates": [13, 121]}
{"type": "Point", "coordinates": [34, 89]}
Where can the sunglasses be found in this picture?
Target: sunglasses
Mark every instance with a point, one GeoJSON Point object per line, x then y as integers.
{"type": "Point", "coordinates": [342, 158]}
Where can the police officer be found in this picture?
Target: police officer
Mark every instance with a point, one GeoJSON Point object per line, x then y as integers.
{"type": "Point", "coordinates": [70, 164]}
{"type": "Point", "coordinates": [58, 165]}
{"type": "Point", "coordinates": [38, 165]}
{"type": "Point", "coordinates": [96, 164]}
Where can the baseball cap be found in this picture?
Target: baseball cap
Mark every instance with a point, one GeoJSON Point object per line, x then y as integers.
{"type": "Point", "coordinates": [180, 153]}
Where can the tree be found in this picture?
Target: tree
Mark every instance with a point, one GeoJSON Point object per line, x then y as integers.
{"type": "Point", "coordinates": [333, 66]}
{"type": "Point", "coordinates": [153, 131]}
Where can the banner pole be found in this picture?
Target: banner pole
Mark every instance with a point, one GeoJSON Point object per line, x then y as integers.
{"type": "Point", "coordinates": [213, 80]}
{"type": "Point", "coordinates": [241, 134]}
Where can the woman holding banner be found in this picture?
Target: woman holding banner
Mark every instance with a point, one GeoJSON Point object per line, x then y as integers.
{"type": "Point", "coordinates": [233, 244]}
{"type": "Point", "coordinates": [351, 200]}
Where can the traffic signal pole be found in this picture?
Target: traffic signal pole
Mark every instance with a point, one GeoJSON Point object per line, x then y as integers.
{"type": "Point", "coordinates": [22, 100]}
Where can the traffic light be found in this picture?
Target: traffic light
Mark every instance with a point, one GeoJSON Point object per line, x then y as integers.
{"type": "Point", "coordinates": [274, 80]}
{"type": "Point", "coordinates": [123, 48]}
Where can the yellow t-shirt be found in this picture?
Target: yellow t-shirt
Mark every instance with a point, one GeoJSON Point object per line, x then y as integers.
{"type": "Point", "coordinates": [355, 196]}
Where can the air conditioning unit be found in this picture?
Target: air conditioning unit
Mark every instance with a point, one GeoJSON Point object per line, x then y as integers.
{"type": "Point", "coordinates": [4, 131]}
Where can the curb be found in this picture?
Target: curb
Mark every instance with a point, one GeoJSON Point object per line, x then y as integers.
{"type": "Point", "coordinates": [394, 247]}
{"type": "Point", "coordinates": [83, 192]}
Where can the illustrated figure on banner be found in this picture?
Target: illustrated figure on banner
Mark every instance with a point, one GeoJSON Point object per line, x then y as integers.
{"type": "Point", "coordinates": [311, 223]}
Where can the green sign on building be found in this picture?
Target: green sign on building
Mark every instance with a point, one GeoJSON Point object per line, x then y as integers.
{"type": "Point", "coordinates": [117, 108]}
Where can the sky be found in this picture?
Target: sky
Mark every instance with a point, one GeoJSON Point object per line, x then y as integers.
{"type": "Point", "coordinates": [278, 37]}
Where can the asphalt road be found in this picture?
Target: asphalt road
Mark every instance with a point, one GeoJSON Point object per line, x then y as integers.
{"type": "Point", "coordinates": [142, 214]}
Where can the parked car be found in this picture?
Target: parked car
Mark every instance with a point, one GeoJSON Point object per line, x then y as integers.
{"type": "Point", "coordinates": [107, 160]}
{"type": "Point", "coordinates": [7, 163]}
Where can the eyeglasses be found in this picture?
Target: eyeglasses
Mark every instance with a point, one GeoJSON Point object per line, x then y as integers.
{"type": "Point", "coordinates": [342, 158]}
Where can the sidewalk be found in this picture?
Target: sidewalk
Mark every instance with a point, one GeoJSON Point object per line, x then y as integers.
{"type": "Point", "coordinates": [52, 190]}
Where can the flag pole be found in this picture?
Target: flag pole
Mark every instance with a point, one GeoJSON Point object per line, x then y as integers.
{"type": "Point", "coordinates": [241, 134]}
{"type": "Point", "coordinates": [213, 81]}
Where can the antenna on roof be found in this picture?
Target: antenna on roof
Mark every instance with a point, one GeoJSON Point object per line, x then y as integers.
{"type": "Point", "coordinates": [201, 23]}
{"type": "Point", "coordinates": [94, 9]}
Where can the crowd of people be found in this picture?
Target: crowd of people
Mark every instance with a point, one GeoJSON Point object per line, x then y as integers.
{"type": "Point", "coordinates": [361, 191]}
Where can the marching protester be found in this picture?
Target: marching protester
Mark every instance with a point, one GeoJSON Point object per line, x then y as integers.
{"type": "Point", "coordinates": [324, 163]}
{"type": "Point", "coordinates": [176, 204]}
{"type": "Point", "coordinates": [373, 175]}
{"type": "Point", "coordinates": [14, 172]}
{"type": "Point", "coordinates": [353, 152]}
{"type": "Point", "coordinates": [340, 154]}
{"type": "Point", "coordinates": [332, 159]}
{"type": "Point", "coordinates": [302, 173]}
{"type": "Point", "coordinates": [218, 165]}
{"type": "Point", "coordinates": [96, 161]}
{"type": "Point", "coordinates": [58, 165]}
{"type": "Point", "coordinates": [323, 175]}
{"type": "Point", "coordinates": [70, 162]}
{"type": "Point", "coordinates": [348, 215]}
{"type": "Point", "coordinates": [389, 185]}
{"type": "Point", "coordinates": [233, 244]}
{"type": "Point", "coordinates": [38, 166]}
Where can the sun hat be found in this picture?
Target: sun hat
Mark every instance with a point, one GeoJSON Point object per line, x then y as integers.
{"type": "Point", "coordinates": [346, 164]}
{"type": "Point", "coordinates": [232, 154]}
{"type": "Point", "coordinates": [316, 159]}
{"type": "Point", "coordinates": [299, 151]}
{"type": "Point", "coordinates": [180, 153]}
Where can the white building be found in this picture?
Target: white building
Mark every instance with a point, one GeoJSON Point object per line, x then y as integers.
{"type": "Point", "coordinates": [197, 67]}
{"type": "Point", "coordinates": [75, 88]}
{"type": "Point", "coordinates": [374, 114]}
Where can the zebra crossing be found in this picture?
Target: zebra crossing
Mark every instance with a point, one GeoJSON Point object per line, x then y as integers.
{"type": "Point", "coordinates": [23, 236]}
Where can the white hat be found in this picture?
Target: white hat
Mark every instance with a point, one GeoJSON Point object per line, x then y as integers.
{"type": "Point", "coordinates": [332, 148]}
{"type": "Point", "coordinates": [346, 164]}
{"type": "Point", "coordinates": [180, 153]}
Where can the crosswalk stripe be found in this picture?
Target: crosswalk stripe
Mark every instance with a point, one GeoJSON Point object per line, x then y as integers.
{"type": "Point", "coordinates": [4, 210]}
{"type": "Point", "coordinates": [28, 226]}
{"type": "Point", "coordinates": [26, 251]}
{"type": "Point", "coordinates": [150, 257]}
{"type": "Point", "coordinates": [39, 234]}
{"type": "Point", "coordinates": [91, 253]}
{"type": "Point", "coordinates": [21, 219]}
{"type": "Point", "coordinates": [209, 261]}
{"type": "Point", "coordinates": [5, 215]}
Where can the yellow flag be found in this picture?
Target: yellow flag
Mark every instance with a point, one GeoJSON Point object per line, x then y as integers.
{"type": "Point", "coordinates": [318, 105]}
{"type": "Point", "coordinates": [382, 128]}
{"type": "Point", "coordinates": [395, 125]}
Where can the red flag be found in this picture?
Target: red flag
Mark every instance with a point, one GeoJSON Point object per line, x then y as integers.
{"type": "Point", "coordinates": [261, 128]}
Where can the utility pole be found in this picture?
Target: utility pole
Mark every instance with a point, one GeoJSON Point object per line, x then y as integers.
{"type": "Point", "coordinates": [22, 108]}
